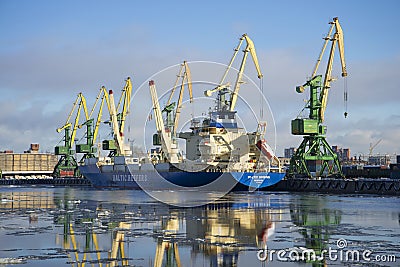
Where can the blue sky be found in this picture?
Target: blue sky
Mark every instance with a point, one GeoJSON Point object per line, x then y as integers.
{"type": "Point", "coordinates": [52, 50]}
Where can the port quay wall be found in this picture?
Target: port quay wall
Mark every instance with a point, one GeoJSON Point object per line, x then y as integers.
{"type": "Point", "coordinates": [333, 186]}
{"type": "Point", "coordinates": [340, 186]}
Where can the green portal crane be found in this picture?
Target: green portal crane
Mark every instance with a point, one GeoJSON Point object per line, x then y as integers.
{"type": "Point", "coordinates": [67, 165]}
{"type": "Point", "coordinates": [92, 129]}
{"type": "Point", "coordinates": [314, 154]}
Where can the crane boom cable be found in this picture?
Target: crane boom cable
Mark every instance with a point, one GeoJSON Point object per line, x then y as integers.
{"type": "Point", "coordinates": [261, 98]}
{"type": "Point", "coordinates": [345, 97]}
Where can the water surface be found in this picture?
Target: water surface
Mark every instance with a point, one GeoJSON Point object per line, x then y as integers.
{"type": "Point", "coordinates": [61, 226]}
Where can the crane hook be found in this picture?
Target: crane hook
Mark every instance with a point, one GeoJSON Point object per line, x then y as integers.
{"type": "Point", "coordinates": [345, 97]}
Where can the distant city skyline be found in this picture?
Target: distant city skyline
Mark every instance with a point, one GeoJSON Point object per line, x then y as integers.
{"type": "Point", "coordinates": [50, 51]}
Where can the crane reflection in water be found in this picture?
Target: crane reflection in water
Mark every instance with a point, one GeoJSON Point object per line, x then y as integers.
{"type": "Point", "coordinates": [80, 227]}
{"type": "Point", "coordinates": [315, 222]}
{"type": "Point", "coordinates": [105, 235]}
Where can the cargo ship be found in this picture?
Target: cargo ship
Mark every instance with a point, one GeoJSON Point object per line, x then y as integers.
{"type": "Point", "coordinates": [243, 161]}
{"type": "Point", "coordinates": [149, 177]}
{"type": "Point", "coordinates": [220, 155]}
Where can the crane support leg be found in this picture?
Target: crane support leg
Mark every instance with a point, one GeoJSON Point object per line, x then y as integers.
{"type": "Point", "coordinates": [66, 167]}
{"type": "Point", "coordinates": [315, 158]}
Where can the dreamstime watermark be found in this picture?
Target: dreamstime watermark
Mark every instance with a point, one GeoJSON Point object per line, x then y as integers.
{"type": "Point", "coordinates": [337, 253]}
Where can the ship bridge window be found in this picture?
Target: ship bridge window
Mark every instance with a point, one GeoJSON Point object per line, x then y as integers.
{"type": "Point", "coordinates": [231, 116]}
{"type": "Point", "coordinates": [222, 116]}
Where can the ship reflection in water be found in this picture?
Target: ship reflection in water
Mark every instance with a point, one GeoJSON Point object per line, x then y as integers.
{"type": "Point", "coordinates": [78, 227]}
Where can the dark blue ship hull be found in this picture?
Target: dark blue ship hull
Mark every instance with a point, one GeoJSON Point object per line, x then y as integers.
{"type": "Point", "coordinates": [159, 180]}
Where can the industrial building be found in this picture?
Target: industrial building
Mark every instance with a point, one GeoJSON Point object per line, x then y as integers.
{"type": "Point", "coordinates": [30, 164]}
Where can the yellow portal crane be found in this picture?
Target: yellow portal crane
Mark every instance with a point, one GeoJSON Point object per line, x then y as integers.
{"type": "Point", "coordinates": [249, 48]}
{"type": "Point", "coordinates": [67, 165]}
{"type": "Point", "coordinates": [126, 99]}
{"type": "Point", "coordinates": [163, 137]}
{"type": "Point", "coordinates": [117, 146]}
{"type": "Point", "coordinates": [105, 97]}
{"type": "Point", "coordinates": [185, 76]}
{"type": "Point", "coordinates": [82, 103]}
{"type": "Point", "coordinates": [118, 137]}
